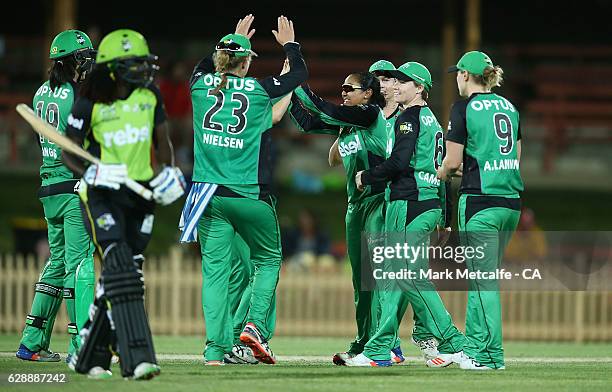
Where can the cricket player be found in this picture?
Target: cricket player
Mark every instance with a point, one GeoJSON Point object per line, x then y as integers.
{"type": "Point", "coordinates": [363, 138]}
{"type": "Point", "coordinates": [232, 117]}
{"type": "Point", "coordinates": [484, 135]}
{"type": "Point", "coordinates": [414, 211]}
{"type": "Point", "coordinates": [69, 271]}
{"type": "Point", "coordinates": [119, 118]}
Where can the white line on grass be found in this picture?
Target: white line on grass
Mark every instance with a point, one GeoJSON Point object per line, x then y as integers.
{"type": "Point", "coordinates": [319, 359]}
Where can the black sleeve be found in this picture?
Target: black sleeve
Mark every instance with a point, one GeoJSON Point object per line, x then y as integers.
{"type": "Point", "coordinates": [79, 120]}
{"type": "Point", "coordinates": [457, 127]}
{"type": "Point", "coordinates": [306, 120]}
{"type": "Point", "coordinates": [277, 86]}
{"type": "Point", "coordinates": [361, 116]}
{"type": "Point", "coordinates": [160, 109]}
{"type": "Point", "coordinates": [519, 136]}
{"type": "Point", "coordinates": [205, 66]}
{"type": "Point", "coordinates": [406, 135]}
{"type": "Point", "coordinates": [449, 205]}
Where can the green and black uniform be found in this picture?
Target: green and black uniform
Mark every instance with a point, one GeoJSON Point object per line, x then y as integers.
{"type": "Point", "coordinates": [120, 222]}
{"type": "Point", "coordinates": [413, 213]}
{"type": "Point", "coordinates": [488, 127]}
{"type": "Point", "coordinates": [364, 136]}
{"type": "Point", "coordinates": [69, 271]}
{"type": "Point", "coordinates": [120, 132]}
{"type": "Point", "coordinates": [232, 141]}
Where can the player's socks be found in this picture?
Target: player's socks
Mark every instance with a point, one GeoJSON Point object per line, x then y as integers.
{"type": "Point", "coordinates": [363, 361]}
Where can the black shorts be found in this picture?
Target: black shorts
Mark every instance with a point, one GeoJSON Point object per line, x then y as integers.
{"type": "Point", "coordinates": [118, 216]}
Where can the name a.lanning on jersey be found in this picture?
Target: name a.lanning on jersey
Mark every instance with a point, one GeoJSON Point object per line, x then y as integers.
{"type": "Point", "coordinates": [223, 141]}
{"type": "Point", "coordinates": [501, 164]}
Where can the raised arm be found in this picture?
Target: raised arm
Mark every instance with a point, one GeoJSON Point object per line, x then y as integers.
{"type": "Point", "coordinates": [308, 123]}
{"type": "Point", "coordinates": [277, 86]}
{"type": "Point", "coordinates": [362, 116]}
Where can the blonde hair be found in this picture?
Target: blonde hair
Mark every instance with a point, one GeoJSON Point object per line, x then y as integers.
{"type": "Point", "coordinates": [223, 63]}
{"type": "Point", "coordinates": [491, 77]}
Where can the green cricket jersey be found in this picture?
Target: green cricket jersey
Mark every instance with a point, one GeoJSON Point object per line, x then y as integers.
{"type": "Point", "coordinates": [416, 154]}
{"type": "Point", "coordinates": [54, 106]}
{"type": "Point", "coordinates": [232, 137]}
{"type": "Point", "coordinates": [488, 126]}
{"type": "Point", "coordinates": [364, 135]}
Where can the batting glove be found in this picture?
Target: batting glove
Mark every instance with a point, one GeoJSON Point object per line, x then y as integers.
{"type": "Point", "coordinates": [168, 186]}
{"type": "Point", "coordinates": [106, 175]}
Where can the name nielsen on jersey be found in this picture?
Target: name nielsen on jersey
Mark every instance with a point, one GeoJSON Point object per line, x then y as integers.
{"type": "Point", "coordinates": [223, 141]}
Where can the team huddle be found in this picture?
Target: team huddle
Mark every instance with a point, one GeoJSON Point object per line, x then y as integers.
{"type": "Point", "coordinates": [398, 163]}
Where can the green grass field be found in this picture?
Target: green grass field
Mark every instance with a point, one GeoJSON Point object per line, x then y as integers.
{"type": "Point", "coordinates": [531, 366]}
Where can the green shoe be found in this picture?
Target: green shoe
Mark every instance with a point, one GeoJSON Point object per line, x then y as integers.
{"type": "Point", "coordinates": [98, 373]}
{"type": "Point", "coordinates": [146, 371]}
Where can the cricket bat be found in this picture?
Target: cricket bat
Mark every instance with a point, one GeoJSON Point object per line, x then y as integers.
{"type": "Point", "coordinates": [46, 130]}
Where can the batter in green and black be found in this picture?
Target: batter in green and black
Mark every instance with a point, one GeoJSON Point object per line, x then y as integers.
{"type": "Point", "coordinates": [119, 118]}
{"type": "Point", "coordinates": [485, 136]}
{"type": "Point", "coordinates": [232, 117]}
{"type": "Point", "coordinates": [69, 272]}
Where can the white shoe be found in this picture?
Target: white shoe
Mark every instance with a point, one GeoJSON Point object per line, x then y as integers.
{"type": "Point", "coordinates": [146, 371]}
{"type": "Point", "coordinates": [362, 360]}
{"type": "Point", "coordinates": [444, 360]}
{"type": "Point", "coordinates": [467, 363]}
{"type": "Point", "coordinates": [240, 355]}
{"type": "Point", "coordinates": [98, 373]}
{"type": "Point", "coordinates": [341, 358]}
{"type": "Point", "coordinates": [429, 347]}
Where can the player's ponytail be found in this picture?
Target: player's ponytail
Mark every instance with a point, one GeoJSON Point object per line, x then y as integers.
{"type": "Point", "coordinates": [62, 71]}
{"type": "Point", "coordinates": [224, 62]}
{"type": "Point", "coordinates": [99, 85]}
{"type": "Point", "coordinates": [491, 77]}
{"type": "Point", "coordinates": [369, 81]}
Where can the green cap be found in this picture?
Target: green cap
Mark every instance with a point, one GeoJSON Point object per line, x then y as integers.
{"type": "Point", "coordinates": [68, 42]}
{"type": "Point", "coordinates": [474, 62]}
{"type": "Point", "coordinates": [382, 66]}
{"type": "Point", "coordinates": [122, 44]}
{"type": "Point", "coordinates": [413, 71]}
{"type": "Point", "coordinates": [237, 44]}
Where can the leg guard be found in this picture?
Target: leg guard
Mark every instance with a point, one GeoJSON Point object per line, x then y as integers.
{"type": "Point", "coordinates": [97, 340]}
{"type": "Point", "coordinates": [73, 345]}
{"type": "Point", "coordinates": [83, 294]}
{"type": "Point", "coordinates": [123, 285]}
{"type": "Point", "coordinates": [39, 323]}
{"type": "Point", "coordinates": [139, 261]}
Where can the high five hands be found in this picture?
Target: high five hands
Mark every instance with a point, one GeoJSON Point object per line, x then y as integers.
{"type": "Point", "coordinates": [283, 34]}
